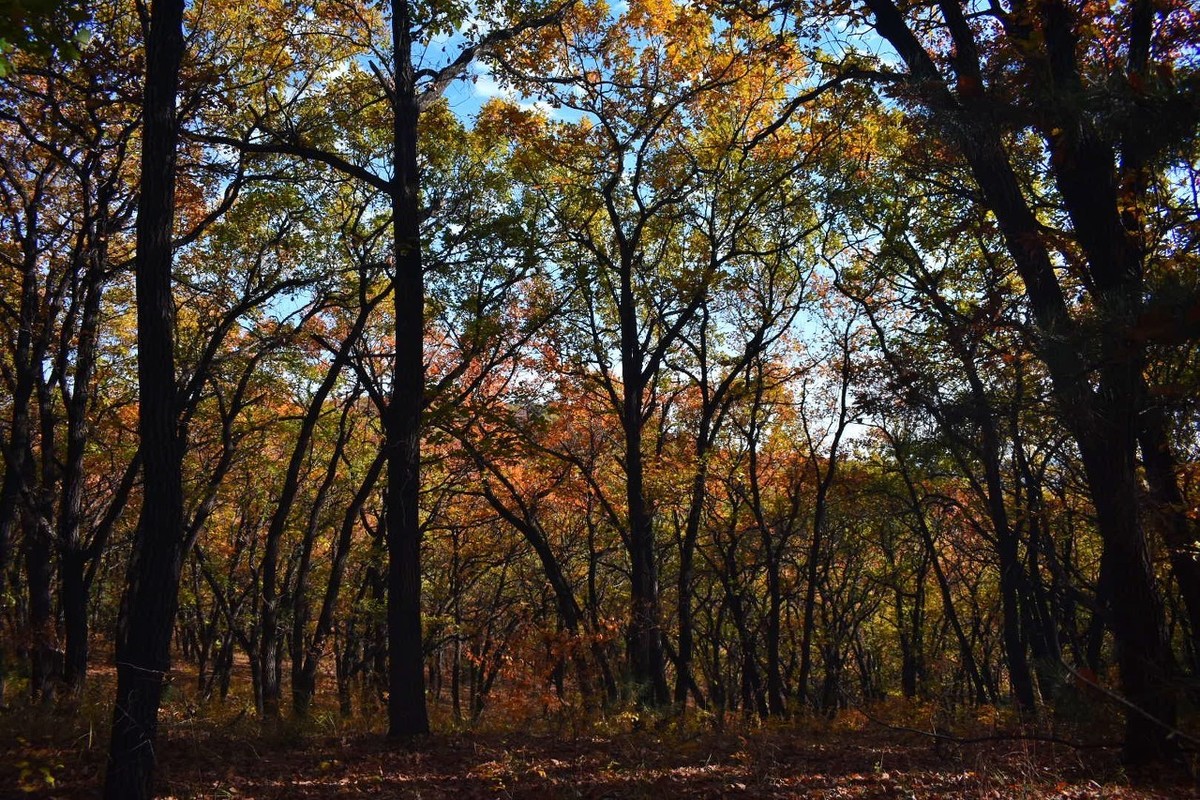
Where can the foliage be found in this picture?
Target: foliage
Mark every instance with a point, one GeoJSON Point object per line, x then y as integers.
{"type": "Point", "coordinates": [750, 403]}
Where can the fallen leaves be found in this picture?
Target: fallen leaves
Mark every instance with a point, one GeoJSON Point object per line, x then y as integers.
{"type": "Point", "coordinates": [778, 762]}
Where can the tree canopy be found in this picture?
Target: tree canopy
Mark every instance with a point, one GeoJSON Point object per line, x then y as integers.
{"type": "Point", "coordinates": [482, 361]}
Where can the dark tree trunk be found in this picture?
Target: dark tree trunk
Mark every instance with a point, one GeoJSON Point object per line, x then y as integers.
{"type": "Point", "coordinates": [645, 645]}
{"type": "Point", "coordinates": [222, 668]}
{"type": "Point", "coordinates": [17, 446]}
{"type": "Point", "coordinates": [74, 594]}
{"type": "Point", "coordinates": [646, 660]}
{"type": "Point", "coordinates": [910, 657]}
{"type": "Point", "coordinates": [37, 516]}
{"type": "Point", "coordinates": [774, 636]}
{"type": "Point", "coordinates": [304, 680]}
{"type": "Point", "coordinates": [831, 683]}
{"type": "Point", "coordinates": [1136, 615]}
{"type": "Point", "coordinates": [687, 555]}
{"type": "Point", "coordinates": [73, 574]}
{"type": "Point", "coordinates": [1168, 514]}
{"type": "Point", "coordinates": [152, 580]}
{"type": "Point", "coordinates": [1104, 421]}
{"type": "Point", "coordinates": [407, 715]}
{"type": "Point", "coordinates": [39, 576]}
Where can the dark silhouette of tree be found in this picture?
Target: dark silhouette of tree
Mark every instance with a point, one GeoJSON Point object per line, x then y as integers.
{"type": "Point", "coordinates": [1096, 369]}
{"type": "Point", "coordinates": [156, 560]}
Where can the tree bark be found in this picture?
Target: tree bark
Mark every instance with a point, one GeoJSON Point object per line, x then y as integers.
{"type": "Point", "coordinates": [646, 660]}
{"type": "Point", "coordinates": [39, 577]}
{"type": "Point", "coordinates": [17, 446]}
{"type": "Point", "coordinates": [73, 556]}
{"type": "Point", "coordinates": [1168, 513]}
{"type": "Point", "coordinates": [407, 714]}
{"type": "Point", "coordinates": [152, 580]}
{"type": "Point", "coordinates": [304, 682]}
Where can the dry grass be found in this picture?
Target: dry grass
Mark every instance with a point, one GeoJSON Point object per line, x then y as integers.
{"type": "Point", "coordinates": [222, 751]}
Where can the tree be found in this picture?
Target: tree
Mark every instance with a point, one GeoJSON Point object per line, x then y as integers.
{"type": "Point", "coordinates": [152, 579]}
{"type": "Point", "coordinates": [68, 211]}
{"type": "Point", "coordinates": [660, 113]}
{"type": "Point", "coordinates": [41, 27]}
{"type": "Point", "coordinates": [407, 89]}
{"type": "Point", "coordinates": [1033, 66]}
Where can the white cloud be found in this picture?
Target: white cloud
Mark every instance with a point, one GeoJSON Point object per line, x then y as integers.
{"type": "Point", "coordinates": [484, 85]}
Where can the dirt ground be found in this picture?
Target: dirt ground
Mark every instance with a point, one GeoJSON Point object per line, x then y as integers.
{"type": "Point", "coordinates": [235, 758]}
{"type": "Point", "coordinates": [220, 751]}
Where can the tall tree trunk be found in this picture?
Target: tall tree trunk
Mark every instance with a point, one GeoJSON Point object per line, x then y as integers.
{"type": "Point", "coordinates": [407, 715]}
{"type": "Point", "coordinates": [1168, 514]}
{"type": "Point", "coordinates": [645, 632]}
{"type": "Point", "coordinates": [73, 576]}
{"type": "Point", "coordinates": [152, 580]}
{"type": "Point", "coordinates": [73, 591]}
{"type": "Point", "coordinates": [17, 446]}
{"type": "Point", "coordinates": [38, 517]}
{"type": "Point", "coordinates": [646, 660]}
{"type": "Point", "coordinates": [39, 576]}
{"type": "Point", "coordinates": [775, 700]}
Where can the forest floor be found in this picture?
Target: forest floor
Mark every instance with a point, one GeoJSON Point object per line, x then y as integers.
{"type": "Point", "coordinates": [220, 751]}
{"type": "Point", "coordinates": [57, 754]}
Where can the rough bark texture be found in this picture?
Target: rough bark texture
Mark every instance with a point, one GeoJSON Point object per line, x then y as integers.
{"type": "Point", "coordinates": [152, 581]}
{"type": "Point", "coordinates": [646, 662]}
{"type": "Point", "coordinates": [407, 715]}
{"type": "Point", "coordinates": [73, 557]}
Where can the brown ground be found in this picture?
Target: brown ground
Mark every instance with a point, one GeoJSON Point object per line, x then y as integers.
{"type": "Point", "coordinates": [57, 757]}
{"type": "Point", "coordinates": [220, 751]}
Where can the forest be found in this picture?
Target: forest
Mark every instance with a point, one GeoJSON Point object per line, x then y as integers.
{"type": "Point", "coordinates": [524, 393]}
